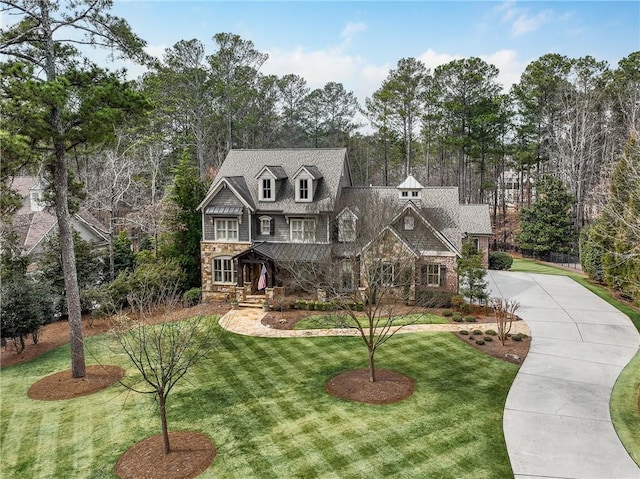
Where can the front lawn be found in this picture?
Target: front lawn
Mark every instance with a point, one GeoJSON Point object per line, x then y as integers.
{"type": "Point", "coordinates": [262, 402]}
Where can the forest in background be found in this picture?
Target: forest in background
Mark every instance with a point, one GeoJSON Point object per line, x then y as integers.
{"type": "Point", "coordinates": [140, 154]}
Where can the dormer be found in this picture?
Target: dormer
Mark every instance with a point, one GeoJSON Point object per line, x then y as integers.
{"type": "Point", "coordinates": [306, 181]}
{"type": "Point", "coordinates": [269, 180]}
{"type": "Point", "coordinates": [410, 189]}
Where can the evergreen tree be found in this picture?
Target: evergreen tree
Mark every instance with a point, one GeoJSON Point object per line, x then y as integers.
{"type": "Point", "coordinates": [547, 225]}
{"type": "Point", "coordinates": [184, 220]}
{"type": "Point", "coordinates": [472, 273]}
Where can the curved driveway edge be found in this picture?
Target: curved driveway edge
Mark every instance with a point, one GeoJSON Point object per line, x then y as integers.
{"type": "Point", "coordinates": [556, 420]}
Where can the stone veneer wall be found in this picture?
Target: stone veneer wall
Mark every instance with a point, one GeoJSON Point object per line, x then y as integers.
{"type": "Point", "coordinates": [483, 244]}
{"type": "Point", "coordinates": [208, 251]}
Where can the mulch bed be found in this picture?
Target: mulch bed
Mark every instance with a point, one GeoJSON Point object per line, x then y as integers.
{"type": "Point", "coordinates": [62, 385]}
{"type": "Point", "coordinates": [191, 453]}
{"type": "Point", "coordinates": [355, 385]}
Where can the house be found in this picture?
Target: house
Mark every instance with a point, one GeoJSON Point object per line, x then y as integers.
{"type": "Point", "coordinates": [34, 221]}
{"type": "Point", "coordinates": [270, 207]}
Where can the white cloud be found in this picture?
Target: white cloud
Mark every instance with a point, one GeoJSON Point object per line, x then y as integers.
{"type": "Point", "coordinates": [527, 24]}
{"type": "Point", "coordinates": [509, 65]}
{"type": "Point", "coordinates": [520, 20]}
{"type": "Point", "coordinates": [351, 29]}
{"type": "Point", "coordinates": [433, 59]}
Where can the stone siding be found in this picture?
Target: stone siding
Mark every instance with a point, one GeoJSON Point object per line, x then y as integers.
{"type": "Point", "coordinates": [208, 251]}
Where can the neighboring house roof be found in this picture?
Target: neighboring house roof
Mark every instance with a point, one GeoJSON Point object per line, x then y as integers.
{"type": "Point", "coordinates": [32, 227]}
{"type": "Point", "coordinates": [328, 166]}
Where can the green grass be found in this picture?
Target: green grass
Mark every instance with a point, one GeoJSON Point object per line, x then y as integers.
{"type": "Point", "coordinates": [262, 402]}
{"type": "Point", "coordinates": [322, 321]}
{"type": "Point", "coordinates": [624, 398]}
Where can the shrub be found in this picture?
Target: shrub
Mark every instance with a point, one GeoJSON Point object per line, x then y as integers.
{"type": "Point", "coordinates": [490, 332]}
{"type": "Point", "coordinates": [456, 317]}
{"type": "Point", "coordinates": [519, 337]}
{"type": "Point", "coordinates": [479, 342]}
{"type": "Point", "coordinates": [470, 319]}
{"type": "Point", "coordinates": [433, 299]}
{"type": "Point", "coordinates": [477, 332]}
{"type": "Point", "coordinates": [488, 339]}
{"type": "Point", "coordinates": [464, 332]}
{"type": "Point", "coordinates": [465, 308]}
{"type": "Point", "coordinates": [192, 296]}
{"type": "Point", "coordinates": [457, 300]}
{"type": "Point", "coordinates": [447, 313]}
{"type": "Point", "coordinates": [500, 261]}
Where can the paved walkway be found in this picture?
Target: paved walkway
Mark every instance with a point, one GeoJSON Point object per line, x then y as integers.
{"type": "Point", "coordinates": [556, 421]}
{"type": "Point", "coordinates": [247, 321]}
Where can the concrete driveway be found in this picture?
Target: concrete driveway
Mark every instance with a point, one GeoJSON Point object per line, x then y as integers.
{"type": "Point", "coordinates": [556, 419]}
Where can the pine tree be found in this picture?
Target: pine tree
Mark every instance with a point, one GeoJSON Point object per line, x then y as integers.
{"type": "Point", "coordinates": [547, 225]}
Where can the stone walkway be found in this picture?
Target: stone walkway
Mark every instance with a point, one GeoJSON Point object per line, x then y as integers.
{"type": "Point", "coordinates": [248, 322]}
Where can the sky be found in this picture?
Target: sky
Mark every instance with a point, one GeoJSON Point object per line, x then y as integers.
{"type": "Point", "coordinates": [357, 43]}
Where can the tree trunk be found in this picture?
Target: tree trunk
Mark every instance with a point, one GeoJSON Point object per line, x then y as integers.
{"type": "Point", "coordinates": [372, 368]}
{"type": "Point", "coordinates": [61, 189]}
{"type": "Point", "coordinates": [162, 403]}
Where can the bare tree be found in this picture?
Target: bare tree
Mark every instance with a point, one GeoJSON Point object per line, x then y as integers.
{"type": "Point", "coordinates": [369, 279]}
{"type": "Point", "coordinates": [163, 354]}
{"type": "Point", "coordinates": [505, 312]}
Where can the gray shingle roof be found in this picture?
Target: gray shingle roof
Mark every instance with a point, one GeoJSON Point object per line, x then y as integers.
{"type": "Point", "coordinates": [439, 205]}
{"type": "Point", "coordinates": [475, 219]}
{"type": "Point", "coordinates": [330, 164]}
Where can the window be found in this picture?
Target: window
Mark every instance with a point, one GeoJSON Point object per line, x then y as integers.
{"type": "Point", "coordinates": [347, 228]}
{"type": "Point", "coordinates": [408, 222]}
{"type": "Point", "coordinates": [266, 191]}
{"type": "Point", "coordinates": [265, 225]}
{"type": "Point", "coordinates": [431, 274]}
{"type": "Point", "coordinates": [384, 274]}
{"type": "Point", "coordinates": [224, 270]}
{"type": "Point", "coordinates": [414, 194]}
{"type": "Point", "coordinates": [226, 229]}
{"type": "Point", "coordinates": [346, 275]}
{"type": "Point", "coordinates": [404, 194]}
{"type": "Point", "coordinates": [303, 230]}
{"type": "Point", "coordinates": [302, 190]}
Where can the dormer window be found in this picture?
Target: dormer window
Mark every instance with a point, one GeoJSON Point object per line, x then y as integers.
{"type": "Point", "coordinates": [302, 191]}
{"type": "Point", "coordinates": [266, 189]}
{"type": "Point", "coordinates": [306, 179]}
{"type": "Point", "coordinates": [270, 179]}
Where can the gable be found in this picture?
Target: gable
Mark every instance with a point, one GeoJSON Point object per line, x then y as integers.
{"type": "Point", "coordinates": [422, 236]}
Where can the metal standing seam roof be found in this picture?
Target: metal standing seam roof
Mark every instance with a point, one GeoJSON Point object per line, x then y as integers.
{"type": "Point", "coordinates": [224, 210]}
{"type": "Point", "coordinates": [292, 252]}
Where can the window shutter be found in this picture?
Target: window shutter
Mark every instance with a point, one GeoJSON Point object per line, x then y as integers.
{"type": "Point", "coordinates": [272, 226]}
{"type": "Point", "coordinates": [443, 275]}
